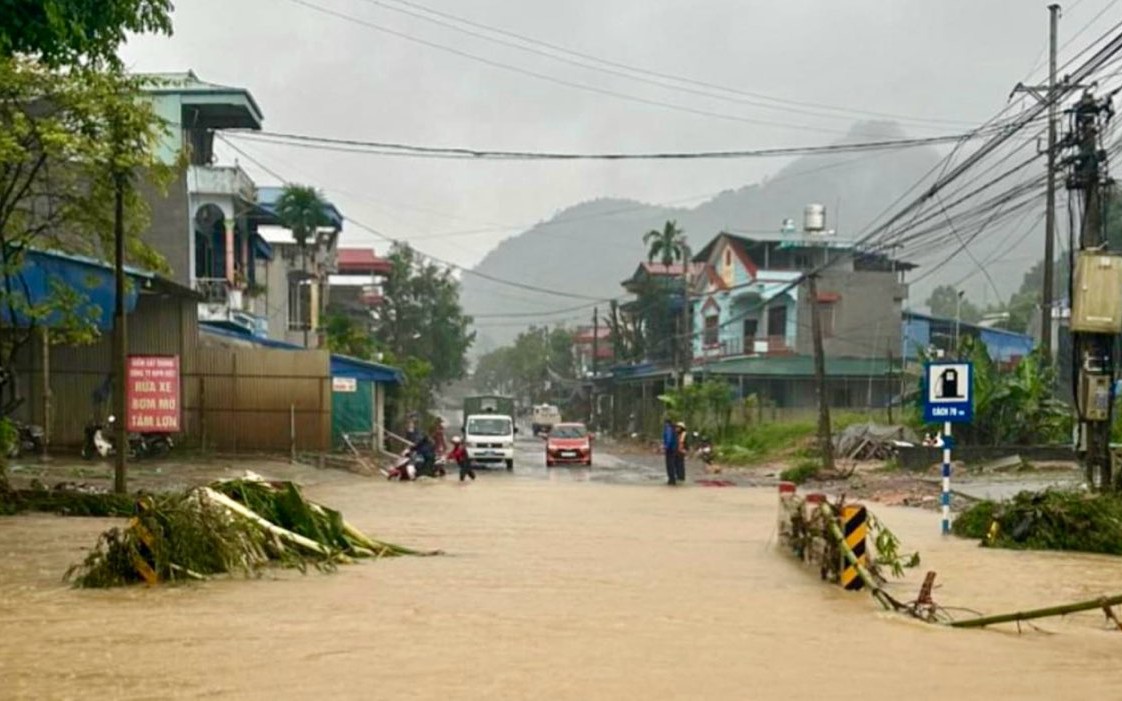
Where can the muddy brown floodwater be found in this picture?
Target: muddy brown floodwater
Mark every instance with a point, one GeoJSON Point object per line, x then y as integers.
{"type": "Point", "coordinates": [552, 589]}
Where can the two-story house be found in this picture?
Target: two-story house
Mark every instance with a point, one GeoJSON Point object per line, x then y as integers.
{"type": "Point", "coordinates": [209, 223]}
{"type": "Point", "coordinates": [356, 285]}
{"type": "Point", "coordinates": [751, 316]}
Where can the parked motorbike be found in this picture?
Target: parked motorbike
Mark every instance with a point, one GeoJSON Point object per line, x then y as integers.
{"type": "Point", "coordinates": [101, 442]}
{"type": "Point", "coordinates": [29, 439]}
{"type": "Point", "coordinates": [704, 448]}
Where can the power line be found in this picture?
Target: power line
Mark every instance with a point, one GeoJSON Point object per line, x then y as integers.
{"type": "Point", "coordinates": [558, 81]}
{"type": "Point", "coordinates": [735, 95]}
{"type": "Point", "coordinates": [449, 264]}
{"type": "Point", "coordinates": [459, 152]}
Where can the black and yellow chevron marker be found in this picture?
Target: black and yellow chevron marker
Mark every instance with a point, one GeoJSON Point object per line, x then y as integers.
{"type": "Point", "coordinates": [855, 527]}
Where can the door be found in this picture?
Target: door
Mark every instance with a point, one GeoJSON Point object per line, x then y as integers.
{"type": "Point", "coordinates": [751, 327]}
{"type": "Point", "coordinates": [352, 408]}
{"type": "Point", "coordinates": [777, 325]}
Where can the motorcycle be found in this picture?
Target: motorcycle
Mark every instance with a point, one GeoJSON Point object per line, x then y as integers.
{"type": "Point", "coordinates": [29, 439]}
{"type": "Point", "coordinates": [100, 441]}
{"type": "Point", "coordinates": [704, 448]}
{"type": "Point", "coordinates": [411, 465]}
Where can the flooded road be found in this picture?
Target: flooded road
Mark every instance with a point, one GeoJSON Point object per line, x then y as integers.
{"type": "Point", "coordinates": [554, 589]}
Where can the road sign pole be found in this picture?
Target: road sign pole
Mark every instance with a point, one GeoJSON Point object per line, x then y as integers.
{"type": "Point", "coordinates": [946, 478]}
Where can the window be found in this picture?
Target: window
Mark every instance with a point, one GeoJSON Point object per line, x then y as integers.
{"type": "Point", "coordinates": [802, 261]}
{"type": "Point", "coordinates": [497, 426]}
{"type": "Point", "coordinates": [777, 321]}
{"type": "Point", "coordinates": [299, 302]}
{"type": "Point", "coordinates": [827, 313]}
{"type": "Point", "coordinates": [712, 330]}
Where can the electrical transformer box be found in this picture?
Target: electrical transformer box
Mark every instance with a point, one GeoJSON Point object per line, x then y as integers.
{"type": "Point", "coordinates": [1097, 302]}
{"type": "Point", "coordinates": [1094, 397]}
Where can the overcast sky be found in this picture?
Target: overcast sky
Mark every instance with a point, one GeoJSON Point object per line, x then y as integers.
{"type": "Point", "coordinates": [312, 73]}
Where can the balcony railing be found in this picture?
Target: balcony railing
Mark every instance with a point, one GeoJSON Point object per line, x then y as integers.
{"type": "Point", "coordinates": [748, 345]}
{"type": "Point", "coordinates": [213, 290]}
{"type": "Point", "coordinates": [221, 180]}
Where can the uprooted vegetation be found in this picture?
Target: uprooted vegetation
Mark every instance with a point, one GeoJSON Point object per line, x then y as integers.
{"type": "Point", "coordinates": [231, 527]}
{"type": "Point", "coordinates": [1050, 520]}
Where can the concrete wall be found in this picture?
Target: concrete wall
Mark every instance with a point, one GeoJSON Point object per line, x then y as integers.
{"type": "Point", "coordinates": [273, 304]}
{"type": "Point", "coordinates": [169, 230]}
{"type": "Point", "coordinates": [866, 318]}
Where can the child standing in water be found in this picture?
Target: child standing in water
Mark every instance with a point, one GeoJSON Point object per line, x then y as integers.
{"type": "Point", "coordinates": [460, 455]}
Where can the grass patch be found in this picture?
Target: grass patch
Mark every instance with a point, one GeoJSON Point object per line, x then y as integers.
{"type": "Point", "coordinates": [801, 471]}
{"type": "Point", "coordinates": [760, 442]}
{"type": "Point", "coordinates": [1050, 520]}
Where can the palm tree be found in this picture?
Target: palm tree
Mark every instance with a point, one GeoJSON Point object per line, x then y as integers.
{"type": "Point", "coordinates": [666, 245]}
{"type": "Point", "coordinates": [300, 209]}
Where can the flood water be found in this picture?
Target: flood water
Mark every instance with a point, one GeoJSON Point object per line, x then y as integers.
{"type": "Point", "coordinates": [552, 589]}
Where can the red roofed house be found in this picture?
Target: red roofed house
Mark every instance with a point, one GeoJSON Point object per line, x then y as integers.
{"type": "Point", "coordinates": [356, 285]}
{"type": "Point", "coordinates": [585, 342]}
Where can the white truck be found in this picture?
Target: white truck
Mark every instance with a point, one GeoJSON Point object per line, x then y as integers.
{"type": "Point", "coordinates": [489, 439]}
{"type": "Point", "coordinates": [544, 418]}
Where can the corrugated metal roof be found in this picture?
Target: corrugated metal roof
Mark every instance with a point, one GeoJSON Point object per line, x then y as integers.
{"type": "Point", "coordinates": [341, 365]}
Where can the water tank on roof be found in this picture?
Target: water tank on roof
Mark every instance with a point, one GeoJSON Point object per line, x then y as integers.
{"type": "Point", "coordinates": [814, 218]}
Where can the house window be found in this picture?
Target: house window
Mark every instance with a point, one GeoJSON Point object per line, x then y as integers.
{"type": "Point", "coordinates": [827, 313]}
{"type": "Point", "coordinates": [712, 330]}
{"type": "Point", "coordinates": [299, 302]}
{"type": "Point", "coordinates": [777, 322]}
{"type": "Point", "coordinates": [802, 261]}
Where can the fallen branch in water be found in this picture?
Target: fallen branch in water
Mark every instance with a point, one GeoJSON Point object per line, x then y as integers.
{"type": "Point", "coordinates": [236, 525]}
{"type": "Point", "coordinates": [1101, 603]}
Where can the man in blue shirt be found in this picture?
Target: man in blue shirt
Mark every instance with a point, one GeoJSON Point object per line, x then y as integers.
{"type": "Point", "coordinates": [670, 450]}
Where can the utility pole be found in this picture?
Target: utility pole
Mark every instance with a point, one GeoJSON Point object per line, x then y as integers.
{"type": "Point", "coordinates": [595, 362]}
{"type": "Point", "coordinates": [1096, 282]}
{"type": "Point", "coordinates": [686, 344]}
{"type": "Point", "coordinates": [121, 343]}
{"type": "Point", "coordinates": [1048, 94]}
{"type": "Point", "coordinates": [825, 440]}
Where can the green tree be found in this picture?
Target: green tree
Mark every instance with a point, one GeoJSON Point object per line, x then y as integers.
{"type": "Point", "coordinates": [533, 366]}
{"type": "Point", "coordinates": [77, 32]}
{"type": "Point", "coordinates": [944, 303]}
{"type": "Point", "coordinates": [421, 319]}
{"type": "Point", "coordinates": [300, 209]}
{"type": "Point", "coordinates": [67, 140]}
{"type": "Point", "coordinates": [666, 245]}
{"type": "Point", "coordinates": [1012, 406]}
{"type": "Point", "coordinates": [346, 337]}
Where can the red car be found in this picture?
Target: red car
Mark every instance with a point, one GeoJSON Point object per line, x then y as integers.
{"type": "Point", "coordinates": [569, 443]}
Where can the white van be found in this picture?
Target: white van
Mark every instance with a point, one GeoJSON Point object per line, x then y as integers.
{"type": "Point", "coordinates": [489, 439]}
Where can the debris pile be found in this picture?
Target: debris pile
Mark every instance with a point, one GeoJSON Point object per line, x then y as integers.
{"type": "Point", "coordinates": [1054, 519]}
{"type": "Point", "coordinates": [68, 499]}
{"type": "Point", "coordinates": [872, 441]}
{"type": "Point", "coordinates": [237, 526]}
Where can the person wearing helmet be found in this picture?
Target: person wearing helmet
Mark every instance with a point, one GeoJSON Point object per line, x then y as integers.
{"type": "Point", "coordinates": [460, 456]}
{"type": "Point", "coordinates": [680, 453]}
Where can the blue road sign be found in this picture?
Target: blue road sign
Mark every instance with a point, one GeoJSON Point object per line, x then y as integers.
{"type": "Point", "coordinates": [948, 392]}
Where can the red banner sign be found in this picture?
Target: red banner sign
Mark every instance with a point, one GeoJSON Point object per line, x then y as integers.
{"type": "Point", "coordinates": [153, 394]}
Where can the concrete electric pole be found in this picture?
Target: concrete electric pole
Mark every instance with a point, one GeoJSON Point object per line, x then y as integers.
{"type": "Point", "coordinates": [1096, 315]}
{"type": "Point", "coordinates": [1048, 94]}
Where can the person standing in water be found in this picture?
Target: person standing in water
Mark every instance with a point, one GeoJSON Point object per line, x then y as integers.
{"type": "Point", "coordinates": [460, 455]}
{"type": "Point", "coordinates": [670, 451]}
{"type": "Point", "coordinates": [680, 453]}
